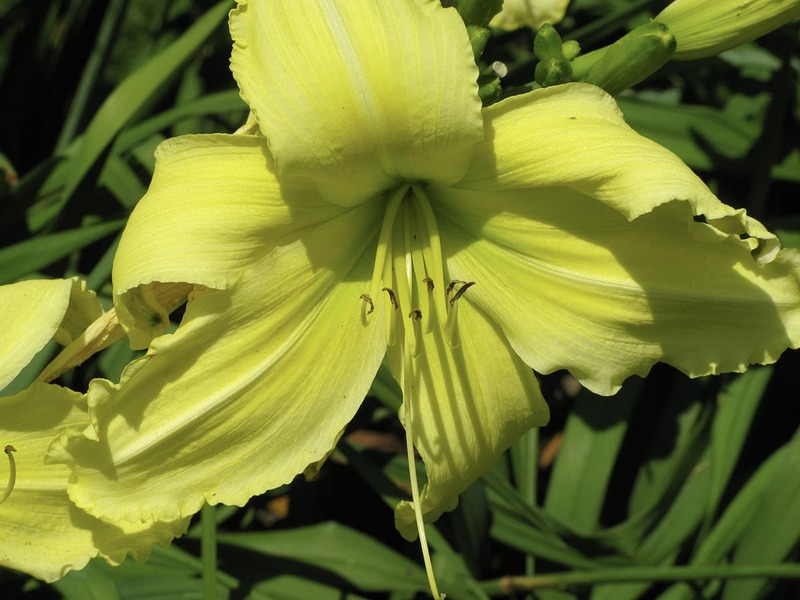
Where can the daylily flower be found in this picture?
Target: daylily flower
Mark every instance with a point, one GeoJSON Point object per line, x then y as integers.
{"type": "Point", "coordinates": [43, 533]}
{"type": "Point", "coordinates": [705, 28]}
{"type": "Point", "coordinates": [530, 13]}
{"type": "Point", "coordinates": [371, 208]}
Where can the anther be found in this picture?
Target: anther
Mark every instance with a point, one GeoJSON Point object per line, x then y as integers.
{"type": "Point", "coordinates": [366, 298]}
{"type": "Point", "coordinates": [392, 297]}
{"type": "Point", "coordinates": [416, 332]}
{"type": "Point", "coordinates": [461, 291]}
{"type": "Point", "coordinates": [12, 472]}
{"type": "Point", "coordinates": [429, 283]}
{"type": "Point", "coordinates": [453, 284]}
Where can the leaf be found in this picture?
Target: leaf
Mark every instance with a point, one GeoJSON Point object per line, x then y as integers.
{"type": "Point", "coordinates": [135, 91]}
{"type": "Point", "coordinates": [358, 558]}
{"type": "Point", "coordinates": [33, 254]}
{"type": "Point", "coordinates": [592, 439]}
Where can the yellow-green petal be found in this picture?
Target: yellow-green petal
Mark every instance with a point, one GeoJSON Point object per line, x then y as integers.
{"type": "Point", "coordinates": [529, 13]}
{"type": "Point", "coordinates": [575, 285]}
{"type": "Point", "coordinates": [256, 383]}
{"type": "Point", "coordinates": [469, 404]}
{"type": "Point", "coordinates": [358, 94]}
{"type": "Point", "coordinates": [574, 135]}
{"type": "Point", "coordinates": [36, 311]}
{"type": "Point", "coordinates": [43, 533]}
{"type": "Point", "coordinates": [214, 207]}
{"type": "Point", "coordinates": [704, 28]}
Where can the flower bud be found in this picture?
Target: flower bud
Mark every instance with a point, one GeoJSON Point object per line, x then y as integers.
{"type": "Point", "coordinates": [705, 28]}
{"type": "Point", "coordinates": [632, 58]}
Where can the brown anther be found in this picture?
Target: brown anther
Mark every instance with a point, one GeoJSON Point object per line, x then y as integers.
{"type": "Point", "coordinates": [9, 448]}
{"type": "Point", "coordinates": [453, 284]}
{"type": "Point", "coordinates": [429, 282]}
{"type": "Point", "coordinates": [366, 298]}
{"type": "Point", "coordinates": [461, 291]}
{"type": "Point", "coordinates": [415, 314]}
{"type": "Point", "coordinates": [392, 297]}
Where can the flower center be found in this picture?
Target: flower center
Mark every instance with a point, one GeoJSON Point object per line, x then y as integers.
{"type": "Point", "coordinates": [409, 268]}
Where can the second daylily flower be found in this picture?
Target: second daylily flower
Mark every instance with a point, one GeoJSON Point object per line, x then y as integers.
{"type": "Point", "coordinates": [374, 208]}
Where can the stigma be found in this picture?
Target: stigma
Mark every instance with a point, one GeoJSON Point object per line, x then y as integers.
{"type": "Point", "coordinates": [409, 268]}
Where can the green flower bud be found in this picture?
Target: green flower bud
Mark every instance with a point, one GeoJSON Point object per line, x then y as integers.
{"type": "Point", "coordinates": [705, 28]}
{"type": "Point", "coordinates": [632, 58]}
{"type": "Point", "coordinates": [553, 67]}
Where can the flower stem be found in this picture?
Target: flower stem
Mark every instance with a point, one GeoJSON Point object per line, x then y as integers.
{"type": "Point", "coordinates": [507, 585]}
{"type": "Point", "coordinates": [208, 546]}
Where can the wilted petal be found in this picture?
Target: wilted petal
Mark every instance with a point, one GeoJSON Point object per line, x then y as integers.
{"type": "Point", "coordinates": [359, 94]}
{"type": "Point", "coordinates": [575, 285]}
{"type": "Point", "coordinates": [469, 404]}
{"type": "Point", "coordinates": [43, 533]}
{"type": "Point", "coordinates": [574, 135]}
{"type": "Point", "coordinates": [214, 207]}
{"type": "Point", "coordinates": [257, 383]}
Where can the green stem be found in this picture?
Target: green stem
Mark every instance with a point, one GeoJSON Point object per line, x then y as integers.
{"type": "Point", "coordinates": [208, 546]}
{"type": "Point", "coordinates": [507, 585]}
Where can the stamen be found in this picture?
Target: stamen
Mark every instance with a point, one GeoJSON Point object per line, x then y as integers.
{"type": "Point", "coordinates": [436, 262]}
{"type": "Point", "coordinates": [12, 472]}
{"type": "Point", "coordinates": [452, 315]}
{"type": "Point", "coordinates": [392, 297]}
{"type": "Point", "coordinates": [461, 291]}
{"type": "Point", "coordinates": [385, 240]}
{"type": "Point", "coordinates": [429, 282]}
{"type": "Point", "coordinates": [416, 331]}
{"type": "Point", "coordinates": [366, 298]}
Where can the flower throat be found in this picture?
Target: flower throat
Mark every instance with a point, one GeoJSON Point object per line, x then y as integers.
{"type": "Point", "coordinates": [409, 268]}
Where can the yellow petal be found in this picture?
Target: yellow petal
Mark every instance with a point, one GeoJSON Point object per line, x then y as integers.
{"type": "Point", "coordinates": [574, 135]}
{"type": "Point", "coordinates": [469, 404]}
{"type": "Point", "coordinates": [577, 286]}
{"type": "Point", "coordinates": [530, 13]}
{"type": "Point", "coordinates": [256, 383]}
{"type": "Point", "coordinates": [214, 207]}
{"type": "Point", "coordinates": [359, 94]}
{"type": "Point", "coordinates": [43, 533]}
{"type": "Point", "coordinates": [33, 312]}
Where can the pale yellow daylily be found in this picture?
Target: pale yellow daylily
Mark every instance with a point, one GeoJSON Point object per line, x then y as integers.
{"type": "Point", "coordinates": [529, 13]}
{"type": "Point", "coordinates": [704, 28]}
{"type": "Point", "coordinates": [374, 208]}
{"type": "Point", "coordinates": [43, 533]}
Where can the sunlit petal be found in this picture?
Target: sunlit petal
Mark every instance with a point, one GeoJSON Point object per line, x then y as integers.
{"type": "Point", "coordinates": [43, 533]}
{"type": "Point", "coordinates": [469, 404]}
{"type": "Point", "coordinates": [376, 92]}
{"type": "Point", "coordinates": [36, 311]}
{"type": "Point", "coordinates": [575, 285]}
{"type": "Point", "coordinates": [213, 208]}
{"type": "Point", "coordinates": [574, 136]}
{"type": "Point", "coordinates": [256, 384]}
